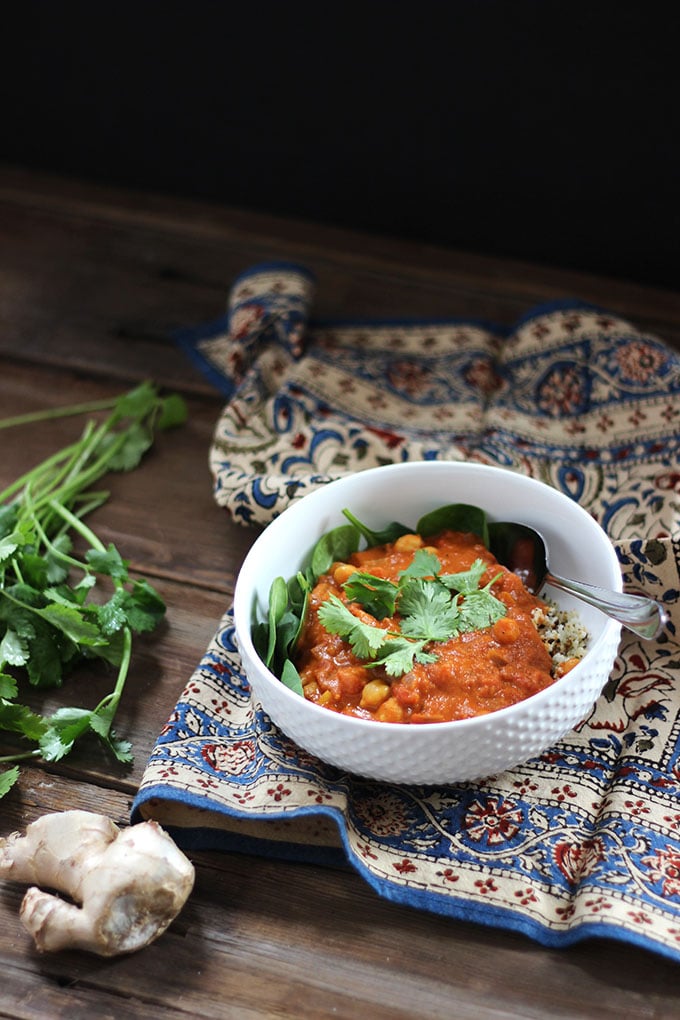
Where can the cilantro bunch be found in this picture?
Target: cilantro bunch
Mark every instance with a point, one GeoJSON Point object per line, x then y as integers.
{"type": "Point", "coordinates": [431, 606]}
{"type": "Point", "coordinates": [59, 609]}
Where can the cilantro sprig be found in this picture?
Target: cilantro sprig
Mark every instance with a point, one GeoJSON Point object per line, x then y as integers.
{"type": "Point", "coordinates": [58, 610]}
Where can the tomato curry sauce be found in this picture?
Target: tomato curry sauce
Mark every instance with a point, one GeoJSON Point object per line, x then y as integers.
{"type": "Point", "coordinates": [476, 672]}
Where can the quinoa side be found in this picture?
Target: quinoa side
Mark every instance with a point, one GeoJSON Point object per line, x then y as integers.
{"type": "Point", "coordinates": [562, 633]}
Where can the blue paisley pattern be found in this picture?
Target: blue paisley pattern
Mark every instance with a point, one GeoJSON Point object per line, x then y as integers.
{"type": "Point", "coordinates": [585, 839]}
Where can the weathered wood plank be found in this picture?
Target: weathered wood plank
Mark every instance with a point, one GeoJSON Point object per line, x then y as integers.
{"type": "Point", "coordinates": [136, 267]}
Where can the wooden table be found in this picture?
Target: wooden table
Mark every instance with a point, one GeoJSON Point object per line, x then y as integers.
{"type": "Point", "coordinates": [92, 283]}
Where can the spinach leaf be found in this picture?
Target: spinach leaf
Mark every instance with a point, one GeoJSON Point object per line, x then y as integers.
{"type": "Point", "coordinates": [390, 533]}
{"type": "Point", "coordinates": [455, 517]}
{"type": "Point", "coordinates": [338, 544]}
{"type": "Point", "coordinates": [291, 678]}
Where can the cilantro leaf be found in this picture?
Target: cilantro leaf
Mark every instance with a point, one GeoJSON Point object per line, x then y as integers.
{"type": "Point", "coordinates": [14, 648]}
{"type": "Point", "coordinates": [428, 611]}
{"type": "Point", "coordinates": [376, 595]}
{"type": "Point", "coordinates": [7, 779]}
{"type": "Point", "coordinates": [108, 562]}
{"type": "Point", "coordinates": [57, 569]}
{"type": "Point", "coordinates": [122, 749]}
{"type": "Point", "coordinates": [338, 619]}
{"type": "Point", "coordinates": [112, 615]}
{"type": "Point", "coordinates": [144, 607]}
{"type": "Point", "coordinates": [8, 686]}
{"type": "Point", "coordinates": [20, 719]}
{"type": "Point", "coordinates": [8, 546]}
{"type": "Point", "coordinates": [71, 622]}
{"type": "Point", "coordinates": [398, 654]}
{"type": "Point", "coordinates": [8, 519]}
{"type": "Point", "coordinates": [423, 564]}
{"type": "Point", "coordinates": [480, 609]}
{"type": "Point", "coordinates": [173, 412]}
{"type": "Point", "coordinates": [467, 580]}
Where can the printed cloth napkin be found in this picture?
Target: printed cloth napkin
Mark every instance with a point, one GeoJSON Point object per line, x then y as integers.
{"type": "Point", "coordinates": [581, 841]}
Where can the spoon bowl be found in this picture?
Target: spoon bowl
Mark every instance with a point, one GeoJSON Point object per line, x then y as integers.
{"type": "Point", "coordinates": [523, 550]}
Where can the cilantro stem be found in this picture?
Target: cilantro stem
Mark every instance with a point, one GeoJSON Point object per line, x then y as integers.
{"type": "Point", "coordinates": [56, 412]}
{"type": "Point", "coordinates": [75, 522]}
{"type": "Point", "coordinates": [22, 756]}
{"type": "Point", "coordinates": [114, 696]}
{"type": "Point", "coordinates": [21, 482]}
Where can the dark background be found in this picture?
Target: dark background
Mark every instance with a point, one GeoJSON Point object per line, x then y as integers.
{"type": "Point", "coordinates": [545, 131]}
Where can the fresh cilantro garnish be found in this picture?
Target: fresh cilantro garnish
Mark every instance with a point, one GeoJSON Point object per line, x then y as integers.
{"type": "Point", "coordinates": [466, 581]}
{"type": "Point", "coordinates": [376, 594]}
{"type": "Point", "coordinates": [365, 639]}
{"type": "Point", "coordinates": [48, 624]}
{"type": "Point", "coordinates": [431, 608]}
{"type": "Point", "coordinates": [398, 655]}
{"type": "Point", "coordinates": [481, 609]}
{"type": "Point", "coordinates": [428, 611]}
{"type": "Point", "coordinates": [424, 564]}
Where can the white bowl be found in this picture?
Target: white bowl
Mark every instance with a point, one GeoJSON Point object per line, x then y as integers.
{"type": "Point", "coordinates": [436, 752]}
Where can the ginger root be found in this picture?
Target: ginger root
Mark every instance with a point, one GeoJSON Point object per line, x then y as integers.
{"type": "Point", "coordinates": [127, 885]}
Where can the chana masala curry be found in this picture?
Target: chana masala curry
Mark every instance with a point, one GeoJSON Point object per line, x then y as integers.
{"type": "Point", "coordinates": [423, 630]}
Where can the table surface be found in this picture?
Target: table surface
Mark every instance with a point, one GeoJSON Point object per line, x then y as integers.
{"type": "Point", "coordinates": [92, 284]}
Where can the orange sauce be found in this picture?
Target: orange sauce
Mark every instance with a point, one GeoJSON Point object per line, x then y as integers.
{"type": "Point", "coordinates": [475, 673]}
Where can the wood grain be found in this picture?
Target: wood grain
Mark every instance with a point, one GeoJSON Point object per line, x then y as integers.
{"type": "Point", "coordinates": [92, 284]}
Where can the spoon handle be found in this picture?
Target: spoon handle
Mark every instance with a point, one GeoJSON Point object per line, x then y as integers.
{"type": "Point", "coordinates": [639, 614]}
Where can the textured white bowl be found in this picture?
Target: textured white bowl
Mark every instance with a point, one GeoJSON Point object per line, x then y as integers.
{"type": "Point", "coordinates": [436, 752]}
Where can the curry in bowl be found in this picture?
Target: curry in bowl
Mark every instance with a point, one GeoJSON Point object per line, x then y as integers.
{"type": "Point", "coordinates": [421, 625]}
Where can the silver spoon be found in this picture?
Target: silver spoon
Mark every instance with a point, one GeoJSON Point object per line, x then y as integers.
{"type": "Point", "coordinates": [523, 550]}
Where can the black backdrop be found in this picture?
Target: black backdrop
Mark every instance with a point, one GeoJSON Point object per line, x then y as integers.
{"type": "Point", "coordinates": [540, 130]}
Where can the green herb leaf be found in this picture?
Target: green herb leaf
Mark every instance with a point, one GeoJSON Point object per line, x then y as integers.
{"type": "Point", "coordinates": [108, 562]}
{"type": "Point", "coordinates": [428, 611]}
{"type": "Point", "coordinates": [390, 533]}
{"type": "Point", "coordinates": [455, 517]}
{"type": "Point", "coordinates": [338, 619]}
{"type": "Point", "coordinates": [424, 564]}
{"type": "Point", "coordinates": [376, 595]}
{"type": "Point", "coordinates": [8, 686]}
{"type": "Point", "coordinates": [71, 622]}
{"type": "Point", "coordinates": [398, 655]}
{"type": "Point", "coordinates": [173, 412]}
{"type": "Point", "coordinates": [14, 649]}
{"type": "Point", "coordinates": [20, 719]}
{"type": "Point", "coordinates": [144, 607]}
{"type": "Point", "coordinates": [466, 581]}
{"type": "Point", "coordinates": [7, 779]}
{"type": "Point", "coordinates": [480, 609]}
{"type": "Point", "coordinates": [291, 678]}
{"type": "Point", "coordinates": [335, 546]}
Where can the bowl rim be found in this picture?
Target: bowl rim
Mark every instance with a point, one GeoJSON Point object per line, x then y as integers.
{"type": "Point", "coordinates": [242, 612]}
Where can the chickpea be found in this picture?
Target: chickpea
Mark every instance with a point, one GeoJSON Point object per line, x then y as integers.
{"type": "Point", "coordinates": [390, 711]}
{"type": "Point", "coordinates": [566, 666]}
{"type": "Point", "coordinates": [374, 693]}
{"type": "Point", "coordinates": [342, 572]}
{"type": "Point", "coordinates": [408, 543]}
{"type": "Point", "coordinates": [506, 630]}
